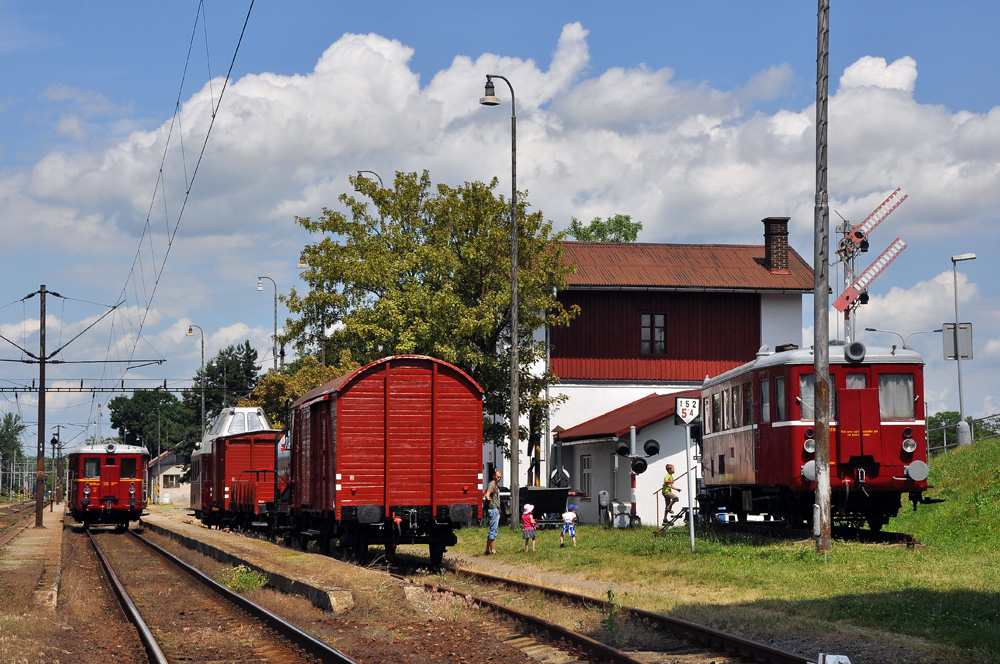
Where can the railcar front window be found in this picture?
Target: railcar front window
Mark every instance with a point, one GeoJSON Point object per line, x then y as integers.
{"type": "Point", "coordinates": [129, 469]}
{"type": "Point", "coordinates": [91, 469]}
{"type": "Point", "coordinates": [254, 423]}
{"type": "Point", "coordinates": [807, 394]}
{"type": "Point", "coordinates": [896, 396]}
{"type": "Point", "coordinates": [217, 424]}
{"type": "Point", "coordinates": [856, 381]}
{"type": "Point", "coordinates": [239, 423]}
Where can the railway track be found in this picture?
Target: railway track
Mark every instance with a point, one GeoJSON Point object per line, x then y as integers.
{"type": "Point", "coordinates": [14, 518]}
{"type": "Point", "coordinates": [185, 617]}
{"type": "Point", "coordinates": [658, 638]}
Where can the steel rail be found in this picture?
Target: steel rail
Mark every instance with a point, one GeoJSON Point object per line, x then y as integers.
{"type": "Point", "coordinates": [602, 651]}
{"type": "Point", "coordinates": [131, 612]}
{"type": "Point", "coordinates": [701, 633]}
{"type": "Point", "coordinates": [315, 647]}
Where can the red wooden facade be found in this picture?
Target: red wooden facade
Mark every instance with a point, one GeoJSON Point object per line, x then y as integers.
{"type": "Point", "coordinates": [706, 334]}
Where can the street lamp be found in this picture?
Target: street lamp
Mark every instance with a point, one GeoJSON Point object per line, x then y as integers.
{"type": "Point", "coordinates": [191, 334]}
{"type": "Point", "coordinates": [381, 186]}
{"type": "Point", "coordinates": [963, 426]}
{"type": "Point", "coordinates": [274, 339]}
{"type": "Point", "coordinates": [490, 99]}
{"type": "Point", "coordinates": [901, 338]}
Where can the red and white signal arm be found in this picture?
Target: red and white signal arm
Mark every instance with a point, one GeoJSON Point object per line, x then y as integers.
{"type": "Point", "coordinates": [687, 409]}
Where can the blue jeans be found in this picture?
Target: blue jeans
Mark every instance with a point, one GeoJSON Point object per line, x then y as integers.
{"type": "Point", "coordinates": [494, 523]}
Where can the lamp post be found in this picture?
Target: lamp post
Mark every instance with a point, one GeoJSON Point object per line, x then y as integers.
{"type": "Point", "coordinates": [490, 99]}
{"type": "Point", "coordinates": [274, 339]}
{"type": "Point", "coordinates": [381, 186]}
{"type": "Point", "coordinates": [963, 426]}
{"type": "Point", "coordinates": [191, 334]}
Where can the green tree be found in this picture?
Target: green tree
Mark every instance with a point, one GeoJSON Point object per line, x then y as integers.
{"type": "Point", "coordinates": [276, 389]}
{"type": "Point", "coordinates": [619, 228]}
{"type": "Point", "coordinates": [941, 427]}
{"type": "Point", "coordinates": [158, 420]}
{"type": "Point", "coordinates": [228, 377]}
{"type": "Point", "coordinates": [11, 430]}
{"type": "Point", "coordinates": [428, 272]}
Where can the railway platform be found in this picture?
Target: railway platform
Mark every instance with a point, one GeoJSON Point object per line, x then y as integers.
{"type": "Point", "coordinates": [36, 553]}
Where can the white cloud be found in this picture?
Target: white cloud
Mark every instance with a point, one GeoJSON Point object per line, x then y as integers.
{"type": "Point", "coordinates": [872, 71]}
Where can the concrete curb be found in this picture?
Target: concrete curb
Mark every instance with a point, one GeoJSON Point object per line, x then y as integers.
{"type": "Point", "coordinates": [329, 598]}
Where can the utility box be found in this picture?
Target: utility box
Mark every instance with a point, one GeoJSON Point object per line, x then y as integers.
{"type": "Point", "coordinates": [621, 514]}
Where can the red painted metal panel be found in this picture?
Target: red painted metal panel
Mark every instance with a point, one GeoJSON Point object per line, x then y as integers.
{"type": "Point", "coordinates": [403, 431]}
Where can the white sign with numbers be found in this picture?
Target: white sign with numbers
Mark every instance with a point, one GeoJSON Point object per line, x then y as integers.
{"type": "Point", "coordinates": [687, 409]}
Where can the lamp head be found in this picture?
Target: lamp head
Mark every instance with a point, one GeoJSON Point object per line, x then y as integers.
{"type": "Point", "coordinates": [963, 257]}
{"type": "Point", "coordinates": [190, 331]}
{"type": "Point", "coordinates": [490, 98]}
{"type": "Point", "coordinates": [260, 283]}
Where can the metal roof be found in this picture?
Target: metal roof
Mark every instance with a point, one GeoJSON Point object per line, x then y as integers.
{"type": "Point", "coordinates": [631, 265]}
{"type": "Point", "coordinates": [618, 422]}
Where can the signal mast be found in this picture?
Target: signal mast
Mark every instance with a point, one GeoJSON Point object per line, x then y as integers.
{"type": "Point", "coordinates": [854, 242]}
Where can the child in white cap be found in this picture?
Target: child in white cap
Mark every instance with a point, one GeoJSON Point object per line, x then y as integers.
{"type": "Point", "coordinates": [528, 521]}
{"type": "Point", "coordinates": [569, 525]}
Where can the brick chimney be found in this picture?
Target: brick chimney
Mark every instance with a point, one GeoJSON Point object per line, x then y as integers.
{"type": "Point", "coordinates": [776, 244]}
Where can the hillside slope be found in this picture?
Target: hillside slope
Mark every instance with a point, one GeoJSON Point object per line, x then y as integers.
{"type": "Point", "coordinates": [968, 479]}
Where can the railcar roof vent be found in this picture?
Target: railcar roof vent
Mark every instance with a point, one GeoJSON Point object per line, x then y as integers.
{"type": "Point", "coordinates": [785, 347]}
{"type": "Point", "coordinates": [763, 351]}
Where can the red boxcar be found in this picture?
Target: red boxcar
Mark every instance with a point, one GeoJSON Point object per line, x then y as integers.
{"type": "Point", "coordinates": [391, 453]}
{"type": "Point", "coordinates": [107, 483]}
{"type": "Point", "coordinates": [758, 448]}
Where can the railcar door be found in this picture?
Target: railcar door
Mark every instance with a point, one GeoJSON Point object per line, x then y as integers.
{"type": "Point", "coordinates": [110, 478]}
{"type": "Point", "coordinates": [859, 434]}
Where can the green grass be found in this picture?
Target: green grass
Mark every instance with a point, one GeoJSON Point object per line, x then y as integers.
{"type": "Point", "coordinates": [946, 591]}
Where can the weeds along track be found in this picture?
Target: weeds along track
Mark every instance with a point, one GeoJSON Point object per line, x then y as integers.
{"type": "Point", "coordinates": [623, 633]}
{"type": "Point", "coordinates": [182, 615]}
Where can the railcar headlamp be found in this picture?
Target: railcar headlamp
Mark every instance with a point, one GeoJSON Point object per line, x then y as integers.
{"type": "Point", "coordinates": [131, 488]}
{"type": "Point", "coordinates": [86, 489]}
{"type": "Point", "coordinates": [909, 445]}
{"type": "Point", "coordinates": [809, 445]}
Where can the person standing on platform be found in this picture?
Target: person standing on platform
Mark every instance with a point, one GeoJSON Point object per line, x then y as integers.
{"type": "Point", "coordinates": [493, 499]}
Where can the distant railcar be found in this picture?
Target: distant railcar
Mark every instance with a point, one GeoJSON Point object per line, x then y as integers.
{"type": "Point", "coordinates": [759, 431]}
{"type": "Point", "coordinates": [107, 483]}
{"type": "Point", "coordinates": [234, 462]}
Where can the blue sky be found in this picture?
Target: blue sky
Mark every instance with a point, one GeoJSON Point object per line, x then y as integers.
{"type": "Point", "coordinates": [695, 118]}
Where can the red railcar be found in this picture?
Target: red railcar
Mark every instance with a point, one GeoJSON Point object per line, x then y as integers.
{"type": "Point", "coordinates": [232, 471]}
{"type": "Point", "coordinates": [390, 453]}
{"type": "Point", "coordinates": [107, 483]}
{"type": "Point", "coordinates": [758, 447]}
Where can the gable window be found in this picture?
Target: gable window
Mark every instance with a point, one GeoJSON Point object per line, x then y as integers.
{"type": "Point", "coordinates": [654, 334]}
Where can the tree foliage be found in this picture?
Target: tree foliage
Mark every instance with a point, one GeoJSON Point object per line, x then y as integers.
{"type": "Point", "coordinates": [428, 272]}
{"type": "Point", "coordinates": [228, 377]}
{"type": "Point", "coordinates": [618, 228]}
{"type": "Point", "coordinates": [158, 420]}
{"type": "Point", "coordinates": [11, 430]}
{"type": "Point", "coordinates": [941, 428]}
{"type": "Point", "coordinates": [277, 389]}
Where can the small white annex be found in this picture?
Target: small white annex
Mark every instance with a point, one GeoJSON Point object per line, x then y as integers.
{"type": "Point", "coordinates": [604, 451]}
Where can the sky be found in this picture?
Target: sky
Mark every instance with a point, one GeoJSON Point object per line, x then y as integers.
{"type": "Point", "coordinates": [124, 178]}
